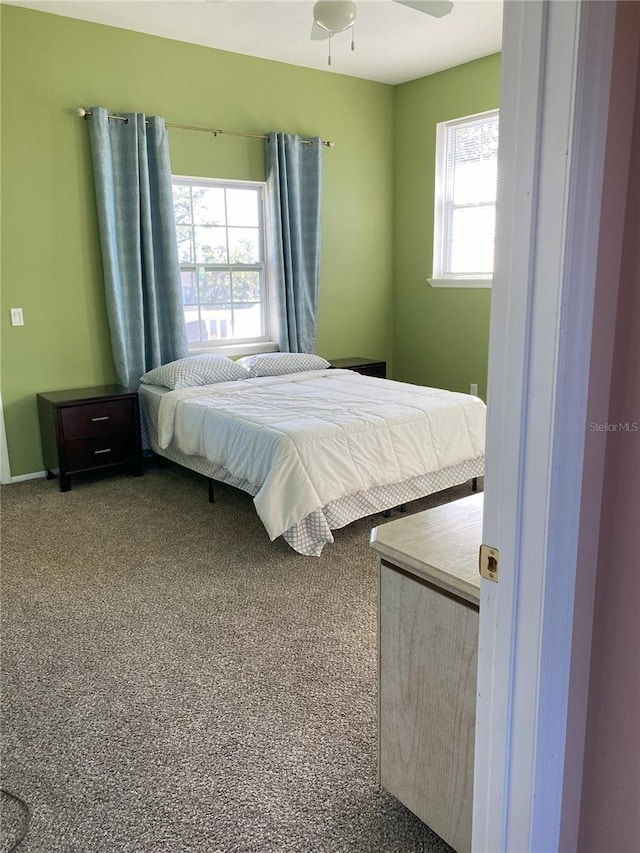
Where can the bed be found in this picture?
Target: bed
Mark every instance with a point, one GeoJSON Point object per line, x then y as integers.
{"type": "Point", "coordinates": [317, 449]}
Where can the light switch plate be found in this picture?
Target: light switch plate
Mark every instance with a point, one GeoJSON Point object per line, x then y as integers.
{"type": "Point", "coordinates": [16, 317]}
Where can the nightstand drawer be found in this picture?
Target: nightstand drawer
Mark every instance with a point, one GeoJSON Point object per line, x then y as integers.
{"type": "Point", "coordinates": [365, 366]}
{"type": "Point", "coordinates": [82, 454]}
{"type": "Point", "coordinates": [98, 418]}
{"type": "Point", "coordinates": [378, 369]}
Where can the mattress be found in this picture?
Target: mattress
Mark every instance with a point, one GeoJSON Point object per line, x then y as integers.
{"type": "Point", "coordinates": [320, 449]}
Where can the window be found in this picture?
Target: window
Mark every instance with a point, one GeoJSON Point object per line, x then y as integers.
{"type": "Point", "coordinates": [465, 201]}
{"type": "Point", "coordinates": [221, 247]}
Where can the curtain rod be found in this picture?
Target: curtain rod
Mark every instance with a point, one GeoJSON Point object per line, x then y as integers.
{"type": "Point", "coordinates": [83, 113]}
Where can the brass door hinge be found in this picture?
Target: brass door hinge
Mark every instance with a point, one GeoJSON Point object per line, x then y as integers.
{"type": "Point", "coordinates": [489, 563]}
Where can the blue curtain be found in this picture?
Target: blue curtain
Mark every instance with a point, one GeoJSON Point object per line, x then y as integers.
{"type": "Point", "coordinates": [294, 185]}
{"type": "Point", "coordinates": [132, 175]}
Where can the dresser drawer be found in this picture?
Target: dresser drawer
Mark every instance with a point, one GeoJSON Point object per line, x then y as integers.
{"type": "Point", "coordinates": [82, 454]}
{"type": "Point", "coordinates": [97, 418]}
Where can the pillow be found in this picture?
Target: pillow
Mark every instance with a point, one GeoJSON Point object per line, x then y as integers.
{"type": "Point", "coordinates": [205, 369]}
{"type": "Point", "coordinates": [277, 363]}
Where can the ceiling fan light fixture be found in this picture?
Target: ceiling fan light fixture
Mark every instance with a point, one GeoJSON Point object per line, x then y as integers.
{"type": "Point", "coordinates": [334, 16]}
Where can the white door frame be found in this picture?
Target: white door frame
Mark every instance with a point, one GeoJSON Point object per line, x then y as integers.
{"type": "Point", "coordinates": [556, 70]}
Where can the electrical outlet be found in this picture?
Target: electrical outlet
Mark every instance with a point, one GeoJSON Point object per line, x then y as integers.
{"type": "Point", "coordinates": [473, 389]}
{"type": "Point", "coordinates": [16, 317]}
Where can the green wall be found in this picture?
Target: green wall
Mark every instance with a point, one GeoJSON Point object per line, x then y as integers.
{"type": "Point", "coordinates": [441, 336]}
{"type": "Point", "coordinates": [51, 263]}
{"type": "Point", "coordinates": [377, 205]}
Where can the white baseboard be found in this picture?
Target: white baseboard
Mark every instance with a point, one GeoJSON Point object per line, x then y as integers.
{"type": "Point", "coordinates": [35, 475]}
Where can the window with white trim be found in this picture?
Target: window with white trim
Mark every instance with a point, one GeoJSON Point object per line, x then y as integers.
{"type": "Point", "coordinates": [465, 201]}
{"type": "Point", "coordinates": [221, 248]}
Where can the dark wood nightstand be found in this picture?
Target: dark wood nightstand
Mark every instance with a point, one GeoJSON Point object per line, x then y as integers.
{"type": "Point", "coordinates": [86, 429]}
{"type": "Point", "coordinates": [366, 366]}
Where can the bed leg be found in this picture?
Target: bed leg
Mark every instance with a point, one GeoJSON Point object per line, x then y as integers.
{"type": "Point", "coordinates": [211, 498]}
{"type": "Point", "coordinates": [402, 508]}
{"type": "Point", "coordinates": [474, 484]}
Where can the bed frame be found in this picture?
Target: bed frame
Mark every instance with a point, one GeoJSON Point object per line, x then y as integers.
{"type": "Point", "coordinates": [311, 534]}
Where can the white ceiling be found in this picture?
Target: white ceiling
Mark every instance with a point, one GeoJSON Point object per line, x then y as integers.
{"type": "Point", "coordinates": [393, 43]}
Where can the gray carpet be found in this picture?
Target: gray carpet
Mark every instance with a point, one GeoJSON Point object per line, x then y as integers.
{"type": "Point", "coordinates": [173, 681]}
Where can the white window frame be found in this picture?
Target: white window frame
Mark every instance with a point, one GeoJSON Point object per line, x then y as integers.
{"type": "Point", "coordinates": [240, 346]}
{"type": "Point", "coordinates": [440, 278]}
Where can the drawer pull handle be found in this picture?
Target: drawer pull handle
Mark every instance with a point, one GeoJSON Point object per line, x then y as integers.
{"type": "Point", "coordinates": [108, 450]}
{"type": "Point", "coordinates": [103, 418]}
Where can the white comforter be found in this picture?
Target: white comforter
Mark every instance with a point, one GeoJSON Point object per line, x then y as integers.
{"type": "Point", "coordinates": [310, 438]}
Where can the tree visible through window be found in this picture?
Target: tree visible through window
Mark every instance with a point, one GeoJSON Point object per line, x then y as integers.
{"type": "Point", "coordinates": [465, 200]}
{"type": "Point", "coordinates": [220, 234]}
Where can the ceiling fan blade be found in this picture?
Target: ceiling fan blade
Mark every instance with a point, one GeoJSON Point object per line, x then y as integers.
{"type": "Point", "coordinates": [435, 8]}
{"type": "Point", "coordinates": [318, 33]}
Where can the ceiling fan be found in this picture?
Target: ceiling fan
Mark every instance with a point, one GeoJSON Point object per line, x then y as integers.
{"type": "Point", "coordinates": [336, 16]}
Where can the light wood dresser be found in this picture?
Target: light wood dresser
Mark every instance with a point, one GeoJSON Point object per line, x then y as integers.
{"type": "Point", "coordinates": [428, 605]}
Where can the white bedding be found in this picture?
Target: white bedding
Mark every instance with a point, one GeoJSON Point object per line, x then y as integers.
{"type": "Point", "coordinates": [307, 439]}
